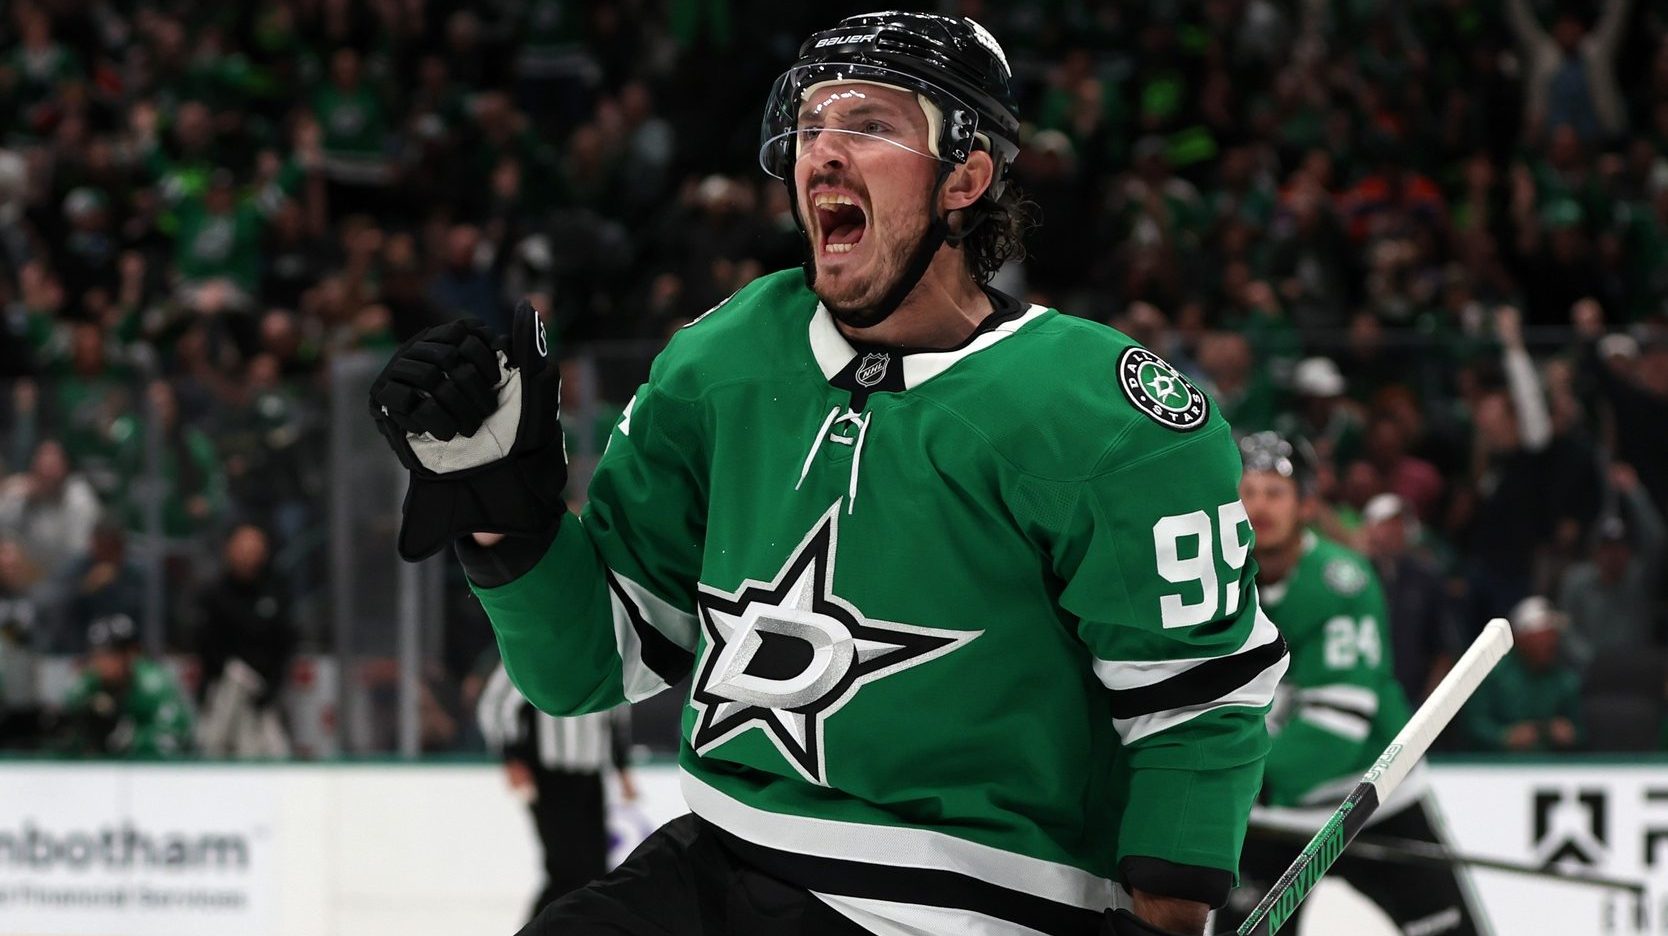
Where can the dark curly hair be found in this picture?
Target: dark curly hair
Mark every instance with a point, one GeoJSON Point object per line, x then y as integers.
{"type": "Point", "coordinates": [998, 232]}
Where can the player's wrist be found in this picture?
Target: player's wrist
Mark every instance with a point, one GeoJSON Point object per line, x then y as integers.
{"type": "Point", "coordinates": [1127, 923]}
{"type": "Point", "coordinates": [504, 557]}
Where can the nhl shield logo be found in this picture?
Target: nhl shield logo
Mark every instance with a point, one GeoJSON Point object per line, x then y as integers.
{"type": "Point", "coordinates": [1160, 391]}
{"type": "Point", "coordinates": [872, 369]}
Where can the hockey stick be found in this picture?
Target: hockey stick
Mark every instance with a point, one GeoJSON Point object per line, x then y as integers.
{"type": "Point", "coordinates": [1428, 854]}
{"type": "Point", "coordinates": [1387, 772]}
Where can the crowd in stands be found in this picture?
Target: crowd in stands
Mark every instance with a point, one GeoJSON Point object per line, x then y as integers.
{"type": "Point", "coordinates": [1430, 238]}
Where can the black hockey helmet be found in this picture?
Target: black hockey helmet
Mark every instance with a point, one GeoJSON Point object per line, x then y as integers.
{"type": "Point", "coordinates": [1271, 452]}
{"type": "Point", "coordinates": [959, 73]}
{"type": "Point", "coordinates": [951, 61]}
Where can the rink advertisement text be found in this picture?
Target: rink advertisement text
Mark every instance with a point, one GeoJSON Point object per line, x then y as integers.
{"type": "Point", "coordinates": [141, 849]}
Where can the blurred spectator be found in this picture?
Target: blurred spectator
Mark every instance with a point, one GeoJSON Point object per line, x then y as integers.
{"type": "Point", "coordinates": [98, 584]}
{"type": "Point", "coordinates": [20, 723]}
{"type": "Point", "coordinates": [20, 613]}
{"type": "Point", "coordinates": [464, 286]}
{"type": "Point", "coordinates": [650, 145]}
{"type": "Point", "coordinates": [193, 482]}
{"type": "Point", "coordinates": [88, 255]}
{"type": "Point", "coordinates": [261, 434]}
{"type": "Point", "coordinates": [1636, 392]}
{"type": "Point", "coordinates": [1610, 598]}
{"type": "Point", "coordinates": [1502, 516]}
{"type": "Point", "coordinates": [217, 248]}
{"type": "Point", "coordinates": [1424, 635]}
{"type": "Point", "coordinates": [1243, 390]}
{"type": "Point", "coordinates": [1413, 479]}
{"type": "Point", "coordinates": [293, 259]}
{"type": "Point", "coordinates": [1391, 200]}
{"type": "Point", "coordinates": [355, 124]}
{"type": "Point", "coordinates": [88, 393]}
{"type": "Point", "coordinates": [1532, 700]}
{"type": "Point", "coordinates": [1571, 70]}
{"type": "Point", "coordinates": [124, 704]}
{"type": "Point", "coordinates": [245, 641]}
{"type": "Point", "coordinates": [1321, 414]}
{"type": "Point", "coordinates": [50, 510]}
{"type": "Point", "coordinates": [1310, 256]}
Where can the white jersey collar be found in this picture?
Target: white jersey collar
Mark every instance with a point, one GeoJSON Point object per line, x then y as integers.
{"type": "Point", "coordinates": [834, 352]}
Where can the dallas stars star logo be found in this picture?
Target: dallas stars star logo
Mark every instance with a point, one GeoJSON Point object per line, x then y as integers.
{"type": "Point", "coordinates": [1165, 387]}
{"type": "Point", "coordinates": [784, 656]}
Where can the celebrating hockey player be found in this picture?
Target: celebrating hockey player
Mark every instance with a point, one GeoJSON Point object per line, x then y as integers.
{"type": "Point", "coordinates": [963, 585]}
{"type": "Point", "coordinates": [1339, 706]}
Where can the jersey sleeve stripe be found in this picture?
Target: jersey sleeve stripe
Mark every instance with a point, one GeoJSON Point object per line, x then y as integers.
{"type": "Point", "coordinates": [1343, 724]}
{"type": "Point", "coordinates": [1356, 700]}
{"type": "Point", "coordinates": [1200, 684]}
{"type": "Point", "coordinates": [1258, 692]}
{"type": "Point", "coordinates": [655, 640]}
{"type": "Point", "coordinates": [1134, 674]}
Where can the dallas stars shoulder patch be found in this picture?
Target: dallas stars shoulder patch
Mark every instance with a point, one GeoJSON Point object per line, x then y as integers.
{"type": "Point", "coordinates": [1160, 392]}
{"type": "Point", "coordinates": [784, 656]}
{"type": "Point", "coordinates": [1344, 577]}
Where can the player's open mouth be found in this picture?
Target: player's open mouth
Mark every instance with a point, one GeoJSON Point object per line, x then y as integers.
{"type": "Point", "coordinates": [841, 220]}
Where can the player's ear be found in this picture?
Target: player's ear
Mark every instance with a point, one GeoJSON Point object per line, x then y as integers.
{"type": "Point", "coordinates": [968, 181]}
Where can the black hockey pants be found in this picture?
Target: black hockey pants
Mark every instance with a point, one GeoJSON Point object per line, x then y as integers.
{"type": "Point", "coordinates": [683, 881]}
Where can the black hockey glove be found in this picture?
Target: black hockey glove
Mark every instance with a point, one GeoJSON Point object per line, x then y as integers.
{"type": "Point", "coordinates": [1124, 923]}
{"type": "Point", "coordinates": [476, 420]}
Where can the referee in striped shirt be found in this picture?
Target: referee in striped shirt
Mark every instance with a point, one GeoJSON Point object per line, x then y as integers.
{"type": "Point", "coordinates": [557, 765]}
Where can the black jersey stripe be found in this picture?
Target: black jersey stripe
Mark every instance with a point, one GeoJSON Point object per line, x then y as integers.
{"type": "Point", "coordinates": [933, 887]}
{"type": "Point", "coordinates": [663, 657]}
{"type": "Point", "coordinates": [1198, 685]}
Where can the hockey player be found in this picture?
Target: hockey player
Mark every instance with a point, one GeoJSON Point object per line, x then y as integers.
{"type": "Point", "coordinates": [963, 584]}
{"type": "Point", "coordinates": [1339, 706]}
{"type": "Point", "coordinates": [124, 704]}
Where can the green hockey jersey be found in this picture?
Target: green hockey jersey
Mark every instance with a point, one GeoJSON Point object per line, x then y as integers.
{"type": "Point", "coordinates": [1340, 704]}
{"type": "Point", "coordinates": [149, 717]}
{"type": "Point", "coordinates": [974, 633]}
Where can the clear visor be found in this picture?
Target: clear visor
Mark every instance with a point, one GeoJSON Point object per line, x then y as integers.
{"type": "Point", "coordinates": [801, 142]}
{"type": "Point", "coordinates": [812, 105]}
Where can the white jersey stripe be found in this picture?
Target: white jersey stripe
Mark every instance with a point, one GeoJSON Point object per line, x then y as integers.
{"type": "Point", "coordinates": [1358, 699]}
{"type": "Point", "coordinates": [1342, 724]}
{"type": "Point", "coordinates": [898, 847]}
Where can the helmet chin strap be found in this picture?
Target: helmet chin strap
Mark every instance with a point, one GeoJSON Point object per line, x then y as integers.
{"type": "Point", "coordinates": [937, 234]}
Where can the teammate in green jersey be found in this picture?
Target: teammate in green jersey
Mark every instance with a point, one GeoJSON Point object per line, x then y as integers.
{"type": "Point", "coordinates": [125, 704]}
{"type": "Point", "coordinates": [963, 585]}
{"type": "Point", "coordinates": [1339, 706]}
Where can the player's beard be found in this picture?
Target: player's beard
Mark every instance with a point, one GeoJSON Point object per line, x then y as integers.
{"type": "Point", "coordinates": [856, 301]}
